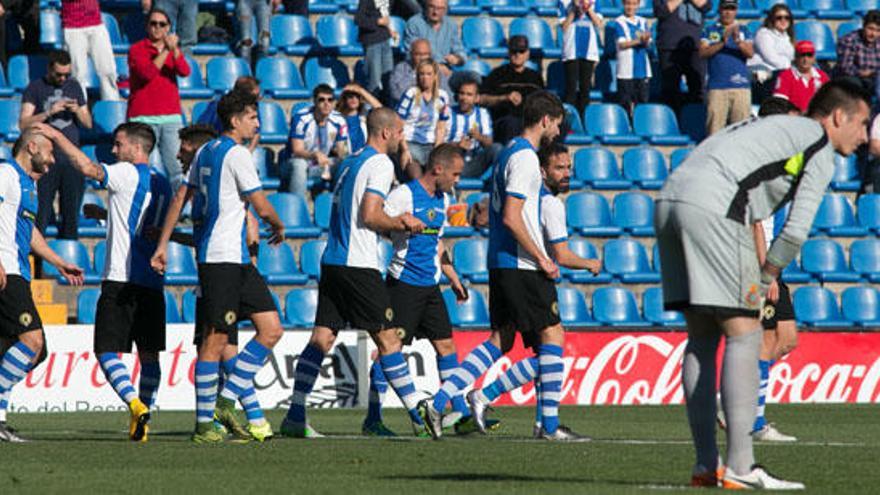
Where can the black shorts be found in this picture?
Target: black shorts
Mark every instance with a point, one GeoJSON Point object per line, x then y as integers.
{"type": "Point", "coordinates": [419, 311]}
{"type": "Point", "coordinates": [783, 310]}
{"type": "Point", "coordinates": [126, 314]}
{"type": "Point", "coordinates": [524, 300]}
{"type": "Point", "coordinates": [230, 293]}
{"type": "Point", "coordinates": [18, 313]}
{"type": "Point", "coordinates": [199, 332]}
{"type": "Point", "coordinates": [353, 296]}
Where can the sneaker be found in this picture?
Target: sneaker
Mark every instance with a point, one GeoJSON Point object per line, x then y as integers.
{"type": "Point", "coordinates": [8, 434]}
{"type": "Point", "coordinates": [298, 430]}
{"type": "Point", "coordinates": [377, 429]}
{"type": "Point", "coordinates": [479, 407]}
{"type": "Point", "coordinates": [225, 414]}
{"type": "Point", "coordinates": [140, 416]}
{"type": "Point", "coordinates": [537, 431]}
{"type": "Point", "coordinates": [467, 425]}
{"type": "Point", "coordinates": [261, 432]}
{"type": "Point", "coordinates": [449, 420]}
{"type": "Point", "coordinates": [707, 478]}
{"type": "Point", "coordinates": [432, 418]}
{"type": "Point", "coordinates": [758, 478]}
{"type": "Point", "coordinates": [208, 434]}
{"type": "Point", "coordinates": [564, 434]}
{"type": "Point", "coordinates": [769, 433]}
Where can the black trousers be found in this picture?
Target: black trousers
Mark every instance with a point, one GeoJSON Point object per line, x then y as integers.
{"type": "Point", "coordinates": [684, 60]}
{"type": "Point", "coordinates": [24, 13]}
{"type": "Point", "coordinates": [64, 180]}
{"type": "Point", "coordinates": [578, 81]}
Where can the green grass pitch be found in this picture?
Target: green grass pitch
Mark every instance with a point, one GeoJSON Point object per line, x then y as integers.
{"type": "Point", "coordinates": [635, 450]}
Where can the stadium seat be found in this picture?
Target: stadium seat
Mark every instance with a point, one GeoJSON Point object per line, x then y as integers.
{"type": "Point", "coordinates": [463, 8]}
{"type": "Point", "coordinates": [181, 269]}
{"type": "Point", "coordinates": [692, 119]}
{"type": "Point", "coordinates": [869, 212]}
{"type": "Point", "coordinates": [292, 35]}
{"type": "Point", "coordinates": [748, 10]}
{"type": "Point", "coordinates": [273, 123]}
{"type": "Point", "coordinates": [796, 11]}
{"type": "Point", "coordinates": [655, 256]}
{"type": "Point", "coordinates": [327, 70]}
{"type": "Point", "coordinates": [107, 115]}
{"type": "Point", "coordinates": [223, 71]}
{"type": "Point", "coordinates": [835, 218]}
{"type": "Point", "coordinates": [824, 259]}
{"type": "Point", "coordinates": [645, 166]}
{"type": "Point", "coordinates": [278, 266]}
{"type": "Point", "coordinates": [338, 35]}
{"type": "Point", "coordinates": [539, 34]}
{"type": "Point", "coordinates": [817, 307]}
{"type": "Point", "coordinates": [504, 8]}
{"type": "Point", "coordinates": [864, 259]}
{"type": "Point", "coordinates": [481, 67]}
{"type": "Point", "coordinates": [577, 135]}
{"type": "Point", "coordinates": [821, 36]}
{"type": "Point", "coordinates": [22, 69]}
{"type": "Point", "coordinates": [573, 309]}
{"type": "Point", "coordinates": [310, 257]}
{"type": "Point", "coordinates": [597, 167]}
{"type": "Point", "coordinates": [300, 307]}
{"type": "Point", "coordinates": [627, 261]}
{"type": "Point", "coordinates": [543, 8]}
{"type": "Point", "coordinates": [172, 311]}
{"type": "Point", "coordinates": [584, 249]}
{"type": "Point", "coordinates": [117, 41]}
{"type": "Point", "coordinates": [861, 305]}
{"type": "Point", "coordinates": [5, 89]}
{"type": "Point", "coordinates": [197, 109]}
{"type": "Point", "coordinates": [323, 7]}
{"type": "Point", "coordinates": [845, 28]}
{"type": "Point", "coordinates": [609, 123]}
{"type": "Point", "coordinates": [657, 124]}
{"type": "Point", "coordinates": [188, 306]}
{"type": "Point", "coordinates": [470, 259]}
{"type": "Point", "coordinates": [609, 8]}
{"type": "Point", "coordinates": [793, 274]}
{"type": "Point", "coordinates": [87, 305]}
{"type": "Point", "coordinates": [484, 36]}
{"type": "Point", "coordinates": [590, 214]}
{"type": "Point", "coordinates": [193, 86]}
{"type": "Point", "coordinates": [323, 207]}
{"type": "Point", "coordinates": [826, 9]}
{"type": "Point", "coordinates": [99, 257]}
{"type": "Point", "coordinates": [678, 156]}
{"type": "Point", "coordinates": [846, 174]}
{"type": "Point", "coordinates": [617, 307]}
{"type": "Point", "coordinates": [294, 213]}
{"type": "Point", "coordinates": [74, 252]}
{"type": "Point", "coordinates": [263, 159]}
{"type": "Point", "coordinates": [472, 313]}
{"type": "Point", "coordinates": [9, 112]}
{"type": "Point", "coordinates": [386, 252]}
{"type": "Point", "coordinates": [652, 307]}
{"type": "Point", "coordinates": [859, 8]}
{"type": "Point", "coordinates": [634, 213]}
{"type": "Point", "coordinates": [51, 34]}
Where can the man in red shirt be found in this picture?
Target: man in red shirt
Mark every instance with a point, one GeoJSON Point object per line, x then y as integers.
{"type": "Point", "coordinates": [799, 83]}
{"type": "Point", "coordinates": [86, 36]}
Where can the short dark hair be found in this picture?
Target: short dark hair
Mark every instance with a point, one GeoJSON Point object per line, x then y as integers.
{"type": "Point", "coordinates": [541, 104]}
{"type": "Point", "coordinates": [839, 93]}
{"type": "Point", "coordinates": [57, 57]}
{"type": "Point", "coordinates": [468, 81]}
{"type": "Point", "coordinates": [197, 134]}
{"type": "Point", "coordinates": [322, 89]}
{"type": "Point", "coordinates": [138, 132]}
{"type": "Point", "coordinates": [443, 155]}
{"type": "Point", "coordinates": [379, 119]}
{"type": "Point", "coordinates": [246, 84]}
{"type": "Point", "coordinates": [155, 10]}
{"type": "Point", "coordinates": [232, 104]}
{"type": "Point", "coordinates": [550, 150]}
{"type": "Point", "coordinates": [871, 17]}
{"type": "Point", "coordinates": [777, 105]}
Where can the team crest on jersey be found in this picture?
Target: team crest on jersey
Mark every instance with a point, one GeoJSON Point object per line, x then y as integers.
{"type": "Point", "coordinates": [554, 308]}
{"type": "Point", "coordinates": [229, 317]}
{"type": "Point", "coordinates": [389, 314]}
{"type": "Point", "coordinates": [753, 298]}
{"type": "Point", "coordinates": [431, 215]}
{"type": "Point", "coordinates": [768, 313]}
{"type": "Point", "coordinates": [714, 37]}
{"type": "Point", "coordinates": [25, 319]}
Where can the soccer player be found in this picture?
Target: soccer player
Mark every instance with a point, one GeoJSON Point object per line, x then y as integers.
{"type": "Point", "coordinates": [224, 182]}
{"type": "Point", "coordinates": [710, 269]}
{"type": "Point", "coordinates": [19, 320]}
{"type": "Point", "coordinates": [522, 295]}
{"type": "Point", "coordinates": [556, 169]}
{"type": "Point", "coordinates": [351, 290]}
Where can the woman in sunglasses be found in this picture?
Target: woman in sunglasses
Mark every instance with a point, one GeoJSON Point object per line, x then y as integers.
{"type": "Point", "coordinates": [355, 103]}
{"type": "Point", "coordinates": [774, 50]}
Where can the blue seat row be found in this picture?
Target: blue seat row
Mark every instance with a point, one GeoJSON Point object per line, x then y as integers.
{"type": "Point", "coordinates": [817, 307]}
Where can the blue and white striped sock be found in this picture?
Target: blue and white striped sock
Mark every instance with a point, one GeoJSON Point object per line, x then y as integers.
{"type": "Point", "coordinates": [148, 388]}
{"type": "Point", "coordinates": [247, 364]}
{"type": "Point", "coordinates": [764, 367]}
{"type": "Point", "coordinates": [516, 376]}
{"type": "Point", "coordinates": [550, 373]}
{"type": "Point", "coordinates": [4, 404]}
{"type": "Point", "coordinates": [16, 363]}
{"type": "Point", "coordinates": [117, 375]}
{"type": "Point", "coordinates": [378, 387]}
{"type": "Point", "coordinates": [307, 367]}
{"type": "Point", "coordinates": [207, 373]}
{"type": "Point", "coordinates": [248, 398]}
{"type": "Point", "coordinates": [474, 365]}
{"type": "Point", "coordinates": [446, 365]}
{"type": "Point", "coordinates": [397, 373]}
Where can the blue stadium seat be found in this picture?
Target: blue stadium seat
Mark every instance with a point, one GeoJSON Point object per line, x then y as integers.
{"type": "Point", "coordinates": [107, 116]}
{"type": "Point", "coordinates": [117, 41]}
{"type": "Point", "coordinates": [617, 307]}
{"type": "Point", "coordinates": [678, 156]}
{"type": "Point", "coordinates": [597, 167]}
{"type": "Point", "coordinates": [861, 305]}
{"type": "Point", "coordinates": [869, 212]}
{"type": "Point", "coordinates": [655, 256]}
{"type": "Point", "coordinates": [264, 159]}
{"type": "Point", "coordinates": [278, 266]}
{"type": "Point", "coordinates": [503, 7]}
{"type": "Point", "coordinates": [172, 311]}
{"type": "Point", "coordinates": [273, 123]}
{"type": "Point", "coordinates": [291, 34]}
{"type": "Point", "coordinates": [748, 10]}
{"type": "Point", "coordinates": [484, 36]}
{"type": "Point", "coordinates": [573, 309]}
{"type": "Point", "coordinates": [193, 86]}
{"type": "Point", "coordinates": [609, 8]}
{"type": "Point", "coordinates": [539, 34]}
{"type": "Point", "coordinates": [544, 8]}
{"type": "Point", "coordinates": [188, 306]}
{"type": "Point", "coordinates": [294, 213]}
{"type": "Point", "coordinates": [817, 307]}
{"type": "Point", "coordinates": [323, 7]}
{"type": "Point", "coordinates": [590, 214]}
{"type": "Point", "coordinates": [577, 135]}
{"type": "Point", "coordinates": [51, 34]}
{"type": "Point", "coordinates": [323, 207]}
{"type": "Point", "coordinates": [472, 313]}
{"type": "Point", "coordinates": [223, 71]}
{"type": "Point", "coordinates": [826, 9]}
{"type": "Point", "coordinates": [864, 258]}
{"type": "Point", "coordinates": [645, 166]}
{"type": "Point", "coordinates": [609, 123]}
{"type": "Point", "coordinates": [481, 67]}
{"type": "Point", "coordinates": [627, 261]}
{"type": "Point", "coordinates": [835, 217]}
{"type": "Point", "coordinates": [845, 28]}
{"type": "Point", "coordinates": [652, 307]}
{"type": "Point", "coordinates": [859, 8]}
{"type": "Point", "coordinates": [821, 36]}
{"type": "Point", "coordinates": [846, 173]}
{"type": "Point", "coordinates": [300, 307]}
{"type": "Point", "coordinates": [470, 259]}
{"type": "Point", "coordinates": [657, 124]}
{"type": "Point", "coordinates": [796, 11]}
{"type": "Point", "coordinates": [310, 257]}
{"type": "Point", "coordinates": [793, 274]}
{"type": "Point", "coordinates": [5, 89]}
{"type": "Point", "coordinates": [326, 70]}
{"type": "Point", "coordinates": [74, 252]}
{"type": "Point", "coordinates": [99, 257]}
{"type": "Point", "coordinates": [181, 269]}
{"type": "Point", "coordinates": [824, 259]}
{"type": "Point", "coordinates": [338, 34]}
{"type": "Point", "coordinates": [692, 119]}
{"type": "Point", "coordinates": [463, 8]}
{"type": "Point", "coordinates": [584, 249]}
{"type": "Point", "coordinates": [87, 305]}
{"type": "Point", "coordinates": [9, 112]}
{"type": "Point", "coordinates": [634, 213]}
{"type": "Point", "coordinates": [23, 69]}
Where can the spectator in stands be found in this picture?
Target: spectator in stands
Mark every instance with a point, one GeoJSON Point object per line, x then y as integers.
{"type": "Point", "coordinates": [506, 87]}
{"type": "Point", "coordinates": [318, 137]}
{"type": "Point", "coordinates": [354, 104]}
{"type": "Point", "coordinates": [424, 109]}
{"type": "Point", "coordinates": [727, 46]}
{"type": "Point", "coordinates": [774, 50]}
{"type": "Point", "coordinates": [580, 48]}
{"type": "Point", "coordinates": [441, 32]}
{"type": "Point", "coordinates": [373, 19]}
{"type": "Point", "coordinates": [799, 83]}
{"type": "Point", "coordinates": [633, 63]}
{"type": "Point", "coordinates": [403, 76]}
{"type": "Point", "coordinates": [26, 14]}
{"type": "Point", "coordinates": [679, 25]}
{"type": "Point", "coordinates": [58, 100]}
{"type": "Point", "coordinates": [210, 117]}
{"type": "Point", "coordinates": [245, 10]}
{"type": "Point", "coordinates": [471, 129]}
{"type": "Point", "coordinates": [154, 64]}
{"type": "Point", "coordinates": [858, 53]}
{"type": "Point", "coordinates": [296, 7]}
{"type": "Point", "coordinates": [870, 172]}
{"type": "Point", "coordinates": [86, 37]}
{"type": "Point", "coordinates": [182, 16]}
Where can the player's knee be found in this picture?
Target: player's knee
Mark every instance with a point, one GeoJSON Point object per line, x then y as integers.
{"type": "Point", "coordinates": [444, 347]}
{"type": "Point", "coordinates": [272, 335]}
{"type": "Point", "coordinates": [34, 341]}
{"type": "Point", "coordinates": [323, 338]}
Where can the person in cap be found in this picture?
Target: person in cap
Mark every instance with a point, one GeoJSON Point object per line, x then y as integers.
{"type": "Point", "coordinates": [800, 82]}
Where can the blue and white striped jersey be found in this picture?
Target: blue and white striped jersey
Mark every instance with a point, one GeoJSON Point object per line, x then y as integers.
{"type": "Point", "coordinates": [18, 212]}
{"type": "Point", "coordinates": [420, 116]}
{"type": "Point", "coordinates": [632, 63]}
{"type": "Point", "coordinates": [416, 259]}
{"type": "Point", "coordinates": [462, 123]}
{"type": "Point", "coordinates": [553, 221]}
{"type": "Point", "coordinates": [581, 39]}
{"type": "Point", "coordinates": [318, 137]}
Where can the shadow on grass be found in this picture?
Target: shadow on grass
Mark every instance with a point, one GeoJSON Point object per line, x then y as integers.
{"type": "Point", "coordinates": [504, 478]}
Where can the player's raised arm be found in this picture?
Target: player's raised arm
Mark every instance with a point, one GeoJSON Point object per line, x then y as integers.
{"type": "Point", "coordinates": [82, 163]}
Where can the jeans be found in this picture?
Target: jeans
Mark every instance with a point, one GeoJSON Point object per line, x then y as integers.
{"type": "Point", "coordinates": [299, 171]}
{"type": "Point", "coordinates": [420, 152]}
{"type": "Point", "coordinates": [69, 184]}
{"type": "Point", "coordinates": [245, 10]}
{"type": "Point", "coordinates": [93, 42]}
{"type": "Point", "coordinates": [164, 156]}
{"type": "Point", "coordinates": [379, 62]}
{"type": "Point", "coordinates": [183, 19]}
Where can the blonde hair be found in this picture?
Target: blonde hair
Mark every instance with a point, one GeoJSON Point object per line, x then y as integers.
{"type": "Point", "coordinates": [435, 87]}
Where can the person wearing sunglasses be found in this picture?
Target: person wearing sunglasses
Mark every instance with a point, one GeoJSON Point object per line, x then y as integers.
{"type": "Point", "coordinates": [182, 16]}
{"type": "Point", "coordinates": [774, 50]}
{"type": "Point", "coordinates": [800, 82]}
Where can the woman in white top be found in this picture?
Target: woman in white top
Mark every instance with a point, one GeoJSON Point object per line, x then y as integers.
{"type": "Point", "coordinates": [774, 49]}
{"type": "Point", "coordinates": [424, 109]}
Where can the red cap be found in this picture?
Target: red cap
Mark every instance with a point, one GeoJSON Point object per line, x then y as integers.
{"type": "Point", "coordinates": [805, 46]}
